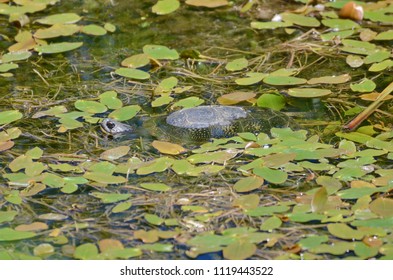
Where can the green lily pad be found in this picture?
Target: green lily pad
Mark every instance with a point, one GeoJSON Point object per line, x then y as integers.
{"type": "Point", "coordinates": [157, 247]}
{"type": "Point", "coordinates": [330, 79]}
{"type": "Point", "coordinates": [252, 78]}
{"type": "Point", "coordinates": [111, 197]}
{"type": "Point", "coordinates": [153, 219]}
{"type": "Point", "coordinates": [136, 61]}
{"type": "Point", "coordinates": [365, 85]}
{"type": "Point", "coordinates": [7, 67]}
{"type": "Point", "coordinates": [7, 216]}
{"type": "Point", "coordinates": [159, 187]}
{"type": "Point", "coordinates": [188, 102]}
{"type": "Point", "coordinates": [110, 27]}
{"type": "Point", "coordinates": [248, 184]}
{"type": "Point", "coordinates": [308, 92]}
{"type": "Point", "coordinates": [91, 107]}
{"type": "Point", "coordinates": [160, 52]}
{"type": "Point", "coordinates": [237, 64]}
{"type": "Point", "coordinates": [93, 29]}
{"type": "Point", "coordinates": [271, 224]}
{"type": "Point", "coordinates": [386, 35]}
{"type": "Point", "coordinates": [300, 20]}
{"type": "Point", "coordinates": [125, 113]}
{"type": "Point", "coordinates": [121, 207]}
{"type": "Point", "coordinates": [378, 56]}
{"type": "Point", "coordinates": [104, 178]}
{"type": "Point", "coordinates": [164, 7]}
{"type": "Point", "coordinates": [132, 73]}
{"type": "Point", "coordinates": [57, 30]}
{"type": "Point", "coordinates": [381, 66]}
{"type": "Point", "coordinates": [343, 231]}
{"type": "Point", "coordinates": [10, 116]}
{"type": "Point", "coordinates": [87, 251]}
{"type": "Point", "coordinates": [64, 18]}
{"type": "Point", "coordinates": [283, 80]}
{"type": "Point", "coordinates": [207, 3]}
{"type": "Point", "coordinates": [271, 175]}
{"type": "Point", "coordinates": [269, 24]}
{"type": "Point", "coordinates": [239, 250]}
{"type": "Point", "coordinates": [15, 56]}
{"type": "Point", "coordinates": [9, 234]}
{"type": "Point", "coordinates": [382, 207]}
{"type": "Point", "coordinates": [110, 100]}
{"type": "Point", "coordinates": [340, 24]}
{"type": "Point", "coordinates": [58, 47]}
{"type": "Point", "coordinates": [272, 101]}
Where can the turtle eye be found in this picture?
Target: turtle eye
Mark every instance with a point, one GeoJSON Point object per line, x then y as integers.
{"type": "Point", "coordinates": [110, 125]}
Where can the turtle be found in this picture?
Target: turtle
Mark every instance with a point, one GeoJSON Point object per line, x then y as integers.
{"type": "Point", "coordinates": [202, 123]}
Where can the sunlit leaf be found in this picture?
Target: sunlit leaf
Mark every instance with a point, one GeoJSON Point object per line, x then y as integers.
{"type": "Point", "coordinates": [386, 35]}
{"type": "Point", "coordinates": [308, 92]}
{"type": "Point", "coordinates": [365, 85]}
{"type": "Point", "coordinates": [249, 201]}
{"type": "Point", "coordinates": [65, 18]}
{"type": "Point", "coordinates": [319, 200]}
{"type": "Point", "coordinates": [378, 56]}
{"type": "Point", "coordinates": [93, 29]}
{"type": "Point", "coordinates": [272, 101]}
{"type": "Point", "coordinates": [163, 7]}
{"type": "Point", "coordinates": [10, 116]}
{"type": "Point", "coordinates": [207, 3]}
{"type": "Point", "coordinates": [168, 148]}
{"type": "Point", "coordinates": [160, 52]}
{"type": "Point", "coordinates": [132, 73]}
{"type": "Point", "coordinates": [7, 67]}
{"type": "Point", "coordinates": [239, 250]}
{"type": "Point", "coordinates": [300, 20]}
{"type": "Point", "coordinates": [340, 24]}
{"type": "Point", "coordinates": [159, 187]}
{"type": "Point", "coordinates": [58, 47]}
{"type": "Point", "coordinates": [382, 207]}
{"type": "Point", "coordinates": [271, 223]}
{"type": "Point", "coordinates": [330, 79]}
{"type": "Point", "coordinates": [111, 197]}
{"type": "Point", "coordinates": [110, 27]}
{"type": "Point", "coordinates": [125, 113]}
{"type": "Point", "coordinates": [283, 80]}
{"type": "Point", "coordinates": [136, 61]}
{"type": "Point", "coordinates": [153, 219]}
{"type": "Point", "coordinates": [57, 30]}
{"type": "Point", "coordinates": [237, 64]}
{"type": "Point", "coordinates": [343, 231]}
{"type": "Point", "coordinates": [157, 247]}
{"type": "Point", "coordinates": [87, 251]}
{"type": "Point", "coordinates": [15, 56]}
{"type": "Point", "coordinates": [235, 97]}
{"type": "Point", "coordinates": [381, 66]}
{"type": "Point", "coordinates": [115, 153]}
{"type": "Point", "coordinates": [267, 210]}
{"type": "Point", "coordinates": [248, 184]}
{"type": "Point", "coordinates": [188, 102]}
{"type": "Point", "coordinates": [7, 216]}
{"type": "Point", "coordinates": [271, 175]}
{"type": "Point", "coordinates": [8, 234]}
{"type": "Point", "coordinates": [269, 24]}
{"type": "Point", "coordinates": [110, 100]}
{"type": "Point", "coordinates": [43, 249]}
{"type": "Point", "coordinates": [121, 207]}
{"type": "Point", "coordinates": [36, 226]}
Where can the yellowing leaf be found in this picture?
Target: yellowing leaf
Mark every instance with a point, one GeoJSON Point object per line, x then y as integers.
{"type": "Point", "coordinates": [115, 153]}
{"type": "Point", "coordinates": [382, 207]}
{"type": "Point", "coordinates": [168, 148]}
{"type": "Point", "coordinates": [239, 250]}
{"type": "Point", "coordinates": [330, 79]}
{"type": "Point", "coordinates": [235, 97]}
{"type": "Point", "coordinates": [207, 3]}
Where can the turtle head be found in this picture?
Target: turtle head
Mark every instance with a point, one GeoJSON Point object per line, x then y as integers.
{"type": "Point", "coordinates": [113, 127]}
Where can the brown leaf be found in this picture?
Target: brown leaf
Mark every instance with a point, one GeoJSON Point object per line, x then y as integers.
{"type": "Point", "coordinates": [168, 148]}
{"type": "Point", "coordinates": [109, 244]}
{"type": "Point", "coordinates": [6, 145]}
{"type": "Point", "coordinates": [36, 226]}
{"type": "Point", "coordinates": [235, 97]}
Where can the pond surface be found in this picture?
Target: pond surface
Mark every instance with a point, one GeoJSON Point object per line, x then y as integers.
{"type": "Point", "coordinates": [69, 191]}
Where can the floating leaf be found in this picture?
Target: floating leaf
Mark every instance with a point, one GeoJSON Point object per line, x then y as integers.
{"type": "Point", "coordinates": [207, 3]}
{"type": "Point", "coordinates": [121, 207]}
{"type": "Point", "coordinates": [159, 187]}
{"type": "Point", "coordinates": [158, 165]}
{"type": "Point", "coordinates": [381, 66]}
{"type": "Point", "coordinates": [267, 210]}
{"type": "Point", "coordinates": [168, 148]}
{"type": "Point", "coordinates": [53, 217]}
{"type": "Point", "coordinates": [43, 249]}
{"type": "Point", "coordinates": [188, 102]}
{"type": "Point", "coordinates": [283, 80]}
{"type": "Point", "coordinates": [343, 231]}
{"type": "Point", "coordinates": [340, 24]}
{"type": "Point", "coordinates": [252, 78]}
{"type": "Point", "coordinates": [13, 197]}
{"type": "Point", "coordinates": [271, 175]}
{"type": "Point", "coordinates": [164, 7]}
{"type": "Point", "coordinates": [125, 113]}
{"type": "Point", "coordinates": [91, 107]}
{"type": "Point", "coordinates": [378, 56]}
{"type": "Point", "coordinates": [104, 178]}
{"type": "Point", "coordinates": [132, 73]}
{"type": "Point", "coordinates": [235, 97]}
{"type": "Point", "coordinates": [166, 85]}
{"type": "Point", "coordinates": [248, 184]}
{"type": "Point", "coordinates": [110, 100]}
{"type": "Point", "coordinates": [136, 61]}
{"type": "Point", "coordinates": [237, 64]}
{"type": "Point", "coordinates": [308, 92]}
{"type": "Point", "coordinates": [57, 30]}
{"type": "Point", "coordinates": [15, 56]}
{"type": "Point", "coordinates": [271, 223]}
{"type": "Point", "coordinates": [8, 234]}
{"type": "Point", "coordinates": [160, 52]}
{"type": "Point", "coordinates": [150, 236]}
{"type": "Point", "coordinates": [300, 20]}
{"type": "Point", "coordinates": [365, 85]}
{"type": "Point", "coordinates": [7, 67]}
{"type": "Point", "coordinates": [110, 27]}
{"type": "Point", "coordinates": [157, 247]}
{"type": "Point", "coordinates": [115, 153]}
{"type": "Point", "coordinates": [153, 219]}
{"type": "Point", "coordinates": [36, 226]}
{"type": "Point", "coordinates": [269, 24]}
{"type": "Point", "coordinates": [354, 61]}
{"type": "Point", "coordinates": [7, 216]}
{"type": "Point", "coordinates": [93, 29]}
{"type": "Point", "coordinates": [319, 200]}
{"type": "Point", "coordinates": [162, 100]}
{"type": "Point", "coordinates": [87, 251]}
{"type": "Point", "coordinates": [386, 35]}
{"type": "Point", "coordinates": [330, 79]}
{"type": "Point", "coordinates": [382, 207]}
{"type": "Point", "coordinates": [239, 250]}
{"type": "Point", "coordinates": [58, 47]}
{"type": "Point", "coordinates": [111, 197]}
{"type": "Point", "coordinates": [10, 116]}
{"type": "Point", "coordinates": [272, 101]}
{"type": "Point", "coordinates": [249, 201]}
{"type": "Point", "coordinates": [65, 18]}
